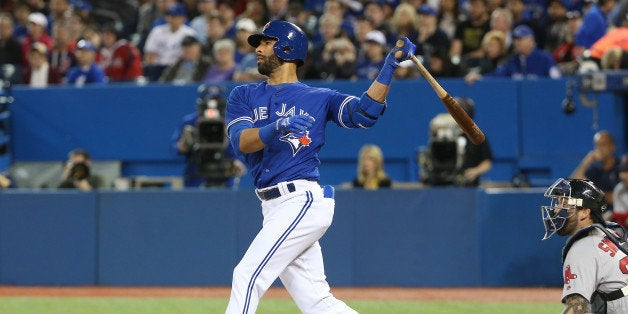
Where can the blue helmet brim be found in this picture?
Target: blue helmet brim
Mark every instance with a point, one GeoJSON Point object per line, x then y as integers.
{"type": "Point", "coordinates": [255, 39]}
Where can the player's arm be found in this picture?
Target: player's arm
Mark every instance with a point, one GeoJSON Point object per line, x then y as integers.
{"type": "Point", "coordinates": [249, 140]}
{"type": "Point", "coordinates": [575, 304]}
{"type": "Point", "coordinates": [363, 112]}
{"type": "Point", "coordinates": [380, 87]}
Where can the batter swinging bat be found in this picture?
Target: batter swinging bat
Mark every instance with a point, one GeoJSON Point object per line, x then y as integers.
{"type": "Point", "coordinates": [455, 110]}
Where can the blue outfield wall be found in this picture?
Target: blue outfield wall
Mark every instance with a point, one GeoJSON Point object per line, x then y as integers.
{"type": "Point", "coordinates": [436, 237]}
{"type": "Point", "coordinates": [523, 121]}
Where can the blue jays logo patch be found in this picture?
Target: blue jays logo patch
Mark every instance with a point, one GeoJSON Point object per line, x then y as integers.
{"type": "Point", "coordinates": [297, 141]}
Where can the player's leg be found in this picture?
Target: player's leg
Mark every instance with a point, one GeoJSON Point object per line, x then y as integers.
{"type": "Point", "coordinates": [304, 278]}
{"type": "Point", "coordinates": [287, 231]}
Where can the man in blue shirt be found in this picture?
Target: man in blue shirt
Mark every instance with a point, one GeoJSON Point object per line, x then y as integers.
{"type": "Point", "coordinates": [528, 61]}
{"type": "Point", "coordinates": [86, 71]}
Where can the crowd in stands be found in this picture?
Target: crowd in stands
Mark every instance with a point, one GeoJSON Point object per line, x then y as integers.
{"type": "Point", "coordinates": [76, 42]}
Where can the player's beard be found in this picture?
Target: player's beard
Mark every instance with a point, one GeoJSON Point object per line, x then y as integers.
{"type": "Point", "coordinates": [268, 64]}
{"type": "Point", "coordinates": [569, 227]}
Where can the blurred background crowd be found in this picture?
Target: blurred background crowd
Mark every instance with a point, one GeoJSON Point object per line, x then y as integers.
{"type": "Point", "coordinates": [105, 41]}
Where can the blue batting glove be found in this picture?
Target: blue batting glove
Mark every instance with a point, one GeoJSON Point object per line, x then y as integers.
{"type": "Point", "coordinates": [394, 57]}
{"type": "Point", "coordinates": [294, 124]}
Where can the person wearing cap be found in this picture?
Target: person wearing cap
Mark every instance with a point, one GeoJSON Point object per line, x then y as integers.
{"type": "Point", "coordinates": [191, 66]}
{"type": "Point", "coordinates": [620, 195]}
{"type": "Point", "coordinates": [528, 61]}
{"type": "Point", "coordinates": [245, 27]}
{"type": "Point", "coordinates": [37, 23]}
{"type": "Point", "coordinates": [86, 71]}
{"type": "Point", "coordinates": [39, 73]}
{"type": "Point", "coordinates": [163, 44]}
{"type": "Point", "coordinates": [375, 49]}
{"type": "Point", "coordinates": [120, 58]}
{"type": "Point", "coordinates": [431, 38]}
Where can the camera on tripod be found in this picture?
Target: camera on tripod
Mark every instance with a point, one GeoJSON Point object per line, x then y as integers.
{"type": "Point", "coordinates": [207, 138]}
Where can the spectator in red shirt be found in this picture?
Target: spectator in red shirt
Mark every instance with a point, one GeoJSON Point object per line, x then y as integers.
{"type": "Point", "coordinates": [39, 73]}
{"type": "Point", "coordinates": [37, 23]}
{"type": "Point", "coordinates": [120, 58]}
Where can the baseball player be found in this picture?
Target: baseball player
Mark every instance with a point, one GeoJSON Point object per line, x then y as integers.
{"type": "Point", "coordinates": [279, 127]}
{"type": "Point", "coordinates": [595, 264]}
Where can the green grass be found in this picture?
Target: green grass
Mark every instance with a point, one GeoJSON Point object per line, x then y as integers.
{"type": "Point", "coordinates": [40, 305]}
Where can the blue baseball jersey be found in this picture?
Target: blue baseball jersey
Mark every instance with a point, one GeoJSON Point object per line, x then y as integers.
{"type": "Point", "coordinates": [288, 156]}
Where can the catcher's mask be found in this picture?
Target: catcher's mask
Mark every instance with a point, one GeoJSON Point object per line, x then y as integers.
{"type": "Point", "coordinates": [567, 196]}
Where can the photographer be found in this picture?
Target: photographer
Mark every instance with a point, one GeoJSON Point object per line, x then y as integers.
{"type": "Point", "coordinates": [200, 137]}
{"type": "Point", "coordinates": [451, 158]}
{"type": "Point", "coordinates": [77, 172]}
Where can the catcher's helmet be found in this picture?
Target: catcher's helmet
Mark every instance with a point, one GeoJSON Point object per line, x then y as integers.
{"type": "Point", "coordinates": [566, 194]}
{"type": "Point", "coordinates": [291, 42]}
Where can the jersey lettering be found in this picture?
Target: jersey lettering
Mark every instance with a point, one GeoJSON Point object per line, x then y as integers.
{"type": "Point", "coordinates": [607, 245]}
{"type": "Point", "coordinates": [260, 113]}
{"type": "Point", "coordinates": [285, 112]}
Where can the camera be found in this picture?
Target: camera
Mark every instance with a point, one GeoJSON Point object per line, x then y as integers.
{"type": "Point", "coordinates": [79, 171]}
{"type": "Point", "coordinates": [208, 138]}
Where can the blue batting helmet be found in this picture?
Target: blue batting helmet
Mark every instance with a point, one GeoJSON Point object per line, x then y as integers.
{"type": "Point", "coordinates": [291, 42]}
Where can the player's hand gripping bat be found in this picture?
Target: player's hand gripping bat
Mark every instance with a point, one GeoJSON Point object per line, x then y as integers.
{"type": "Point", "coordinates": [455, 110]}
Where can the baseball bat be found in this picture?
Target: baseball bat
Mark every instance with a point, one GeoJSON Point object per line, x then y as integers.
{"type": "Point", "coordinates": [465, 122]}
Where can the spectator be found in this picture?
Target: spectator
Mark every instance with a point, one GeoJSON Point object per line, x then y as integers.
{"type": "Point", "coordinates": [567, 55]}
{"type": "Point", "coordinates": [374, 11]}
{"type": "Point", "coordinates": [77, 172]}
{"type": "Point", "coordinates": [120, 59]}
{"type": "Point", "coordinates": [20, 14]}
{"type": "Point", "coordinates": [39, 73]}
{"type": "Point", "coordinates": [340, 9]}
{"type": "Point", "coordinates": [163, 45]}
{"type": "Point", "coordinates": [495, 54]}
{"type": "Point", "coordinates": [246, 68]}
{"type": "Point", "coordinates": [528, 60]}
{"type": "Point", "coordinates": [600, 165]}
{"type": "Point", "coordinates": [594, 24]}
{"type": "Point", "coordinates": [405, 21]}
{"type": "Point", "coordinates": [257, 11]}
{"type": "Point", "coordinates": [191, 66]}
{"type": "Point", "coordinates": [361, 27]}
{"type": "Point", "coordinates": [37, 23]}
{"type": "Point", "coordinates": [147, 14]}
{"type": "Point", "coordinates": [467, 41]}
{"type": "Point", "coordinates": [10, 49]}
{"type": "Point", "coordinates": [60, 12]}
{"type": "Point", "coordinates": [244, 28]}
{"type": "Point", "coordinates": [406, 70]}
{"type": "Point", "coordinates": [370, 173]}
{"type": "Point", "coordinates": [223, 69]}
{"type": "Point", "coordinates": [449, 16]}
{"type": "Point", "coordinates": [375, 49]}
{"type": "Point", "coordinates": [620, 195]}
{"type": "Point", "coordinates": [431, 38]}
{"type": "Point", "coordinates": [613, 38]}
{"type": "Point", "coordinates": [227, 15]}
{"type": "Point", "coordinates": [328, 30]}
{"type": "Point", "coordinates": [216, 30]}
{"type": "Point", "coordinates": [339, 59]}
{"type": "Point", "coordinates": [62, 56]}
{"type": "Point", "coordinates": [206, 8]}
{"type": "Point", "coordinates": [557, 26]}
{"type": "Point", "coordinates": [86, 71]}
{"type": "Point", "coordinates": [501, 20]}
{"type": "Point", "coordinates": [277, 9]}
{"type": "Point", "coordinates": [520, 16]}
{"type": "Point", "coordinates": [615, 58]}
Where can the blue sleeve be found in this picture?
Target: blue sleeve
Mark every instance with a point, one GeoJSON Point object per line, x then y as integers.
{"type": "Point", "coordinates": [238, 116]}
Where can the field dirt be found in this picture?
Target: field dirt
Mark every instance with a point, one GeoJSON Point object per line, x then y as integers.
{"type": "Point", "coordinates": [346, 293]}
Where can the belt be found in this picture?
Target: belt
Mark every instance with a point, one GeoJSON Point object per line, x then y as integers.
{"type": "Point", "coordinates": [274, 192]}
{"type": "Point", "coordinates": [614, 295]}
